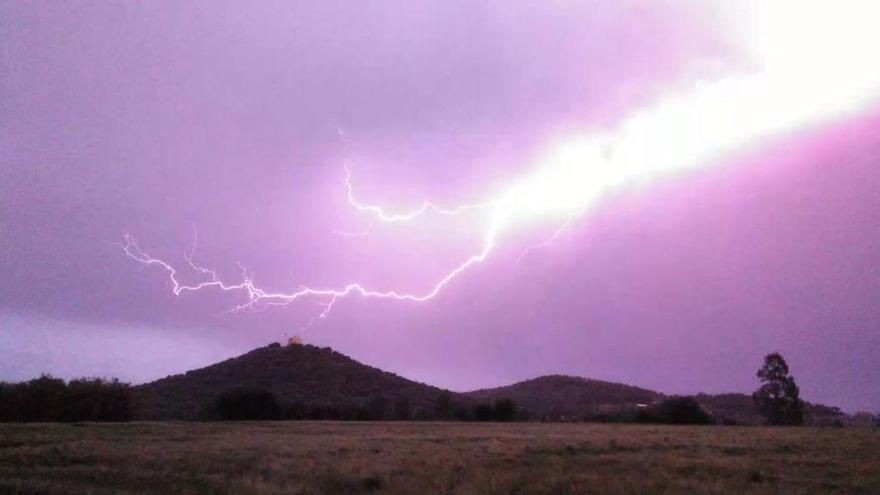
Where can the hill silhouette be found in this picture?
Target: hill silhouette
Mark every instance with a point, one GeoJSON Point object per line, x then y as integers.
{"type": "Point", "coordinates": [561, 397]}
{"type": "Point", "coordinates": [319, 378]}
{"type": "Point", "coordinates": [295, 374]}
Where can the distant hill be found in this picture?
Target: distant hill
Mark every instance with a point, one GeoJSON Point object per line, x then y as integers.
{"type": "Point", "coordinates": [295, 374]}
{"type": "Point", "coordinates": [558, 396]}
{"type": "Point", "coordinates": [321, 377]}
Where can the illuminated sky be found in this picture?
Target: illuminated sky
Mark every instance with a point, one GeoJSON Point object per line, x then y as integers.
{"type": "Point", "coordinates": [711, 165]}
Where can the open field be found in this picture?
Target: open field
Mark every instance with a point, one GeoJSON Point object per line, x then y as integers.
{"type": "Point", "coordinates": [414, 458]}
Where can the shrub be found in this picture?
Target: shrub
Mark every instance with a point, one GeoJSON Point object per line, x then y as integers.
{"type": "Point", "coordinates": [677, 411]}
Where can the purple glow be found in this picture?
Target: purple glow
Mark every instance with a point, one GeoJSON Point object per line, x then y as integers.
{"type": "Point", "coordinates": [148, 119]}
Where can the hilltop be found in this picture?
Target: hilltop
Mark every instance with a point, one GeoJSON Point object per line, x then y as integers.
{"type": "Point", "coordinates": [302, 374]}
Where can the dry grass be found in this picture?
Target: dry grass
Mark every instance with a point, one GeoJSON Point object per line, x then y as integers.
{"type": "Point", "coordinates": [416, 458]}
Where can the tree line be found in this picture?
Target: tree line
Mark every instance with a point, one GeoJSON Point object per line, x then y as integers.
{"type": "Point", "coordinates": [52, 399]}
{"type": "Point", "coordinates": [259, 404]}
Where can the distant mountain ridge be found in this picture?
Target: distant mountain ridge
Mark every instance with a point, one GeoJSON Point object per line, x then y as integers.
{"type": "Point", "coordinates": [322, 377]}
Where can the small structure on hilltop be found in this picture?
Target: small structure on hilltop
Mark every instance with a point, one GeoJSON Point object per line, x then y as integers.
{"type": "Point", "coordinates": [295, 340]}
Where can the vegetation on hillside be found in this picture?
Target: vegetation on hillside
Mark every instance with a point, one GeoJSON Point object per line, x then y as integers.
{"type": "Point", "coordinates": [676, 411]}
{"type": "Point", "coordinates": [570, 398]}
{"type": "Point", "coordinates": [241, 404]}
{"type": "Point", "coordinates": [308, 380]}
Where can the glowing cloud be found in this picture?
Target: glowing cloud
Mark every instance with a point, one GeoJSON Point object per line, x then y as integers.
{"type": "Point", "coordinates": [814, 62]}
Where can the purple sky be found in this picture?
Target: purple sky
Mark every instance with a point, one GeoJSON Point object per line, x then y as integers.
{"type": "Point", "coordinates": [149, 118]}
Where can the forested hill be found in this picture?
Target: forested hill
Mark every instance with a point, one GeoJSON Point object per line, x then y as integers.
{"type": "Point", "coordinates": [308, 382]}
{"type": "Point", "coordinates": [295, 374]}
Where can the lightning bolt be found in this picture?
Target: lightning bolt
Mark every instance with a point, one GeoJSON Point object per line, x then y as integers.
{"type": "Point", "coordinates": [257, 296]}
{"type": "Point", "coordinates": [548, 241]}
{"type": "Point", "coordinates": [380, 215]}
{"type": "Point", "coordinates": [816, 64]}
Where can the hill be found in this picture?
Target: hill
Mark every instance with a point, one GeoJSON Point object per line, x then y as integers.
{"type": "Point", "coordinates": [561, 397]}
{"type": "Point", "coordinates": [333, 386]}
{"type": "Point", "coordinates": [312, 377]}
{"type": "Point", "coordinates": [296, 374]}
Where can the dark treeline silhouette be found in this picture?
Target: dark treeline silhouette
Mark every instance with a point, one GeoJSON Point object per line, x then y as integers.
{"type": "Point", "coordinates": [52, 399]}
{"type": "Point", "coordinates": [257, 404]}
{"type": "Point", "coordinates": [675, 410]}
{"type": "Point", "coordinates": [247, 404]}
{"type": "Point", "coordinates": [777, 399]}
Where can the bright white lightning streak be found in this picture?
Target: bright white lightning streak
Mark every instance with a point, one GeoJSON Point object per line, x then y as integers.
{"type": "Point", "coordinates": [379, 214]}
{"type": "Point", "coordinates": [817, 63]}
{"type": "Point", "coordinates": [257, 296]}
{"type": "Point", "coordinates": [548, 241]}
{"type": "Point", "coordinates": [426, 207]}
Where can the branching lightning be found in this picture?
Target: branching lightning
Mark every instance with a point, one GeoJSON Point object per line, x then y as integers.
{"type": "Point", "coordinates": [426, 207]}
{"type": "Point", "coordinates": [549, 240]}
{"type": "Point", "coordinates": [816, 64]}
{"type": "Point", "coordinates": [380, 215]}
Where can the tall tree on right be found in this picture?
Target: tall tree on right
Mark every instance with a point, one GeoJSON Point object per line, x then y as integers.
{"type": "Point", "coordinates": [778, 397]}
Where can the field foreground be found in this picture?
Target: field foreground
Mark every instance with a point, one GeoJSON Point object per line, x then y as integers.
{"type": "Point", "coordinates": [453, 458]}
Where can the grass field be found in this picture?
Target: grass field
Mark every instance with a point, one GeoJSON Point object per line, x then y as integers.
{"type": "Point", "coordinates": [416, 458]}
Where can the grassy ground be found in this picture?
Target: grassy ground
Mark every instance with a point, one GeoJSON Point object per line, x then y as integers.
{"type": "Point", "coordinates": [416, 458]}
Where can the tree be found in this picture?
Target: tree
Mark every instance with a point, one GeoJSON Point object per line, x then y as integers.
{"type": "Point", "coordinates": [247, 404]}
{"type": "Point", "coordinates": [402, 409]}
{"type": "Point", "coordinates": [677, 411]}
{"type": "Point", "coordinates": [484, 412]}
{"type": "Point", "coordinates": [443, 406]}
{"type": "Point", "coordinates": [297, 411]}
{"type": "Point", "coordinates": [42, 399]}
{"type": "Point", "coordinates": [8, 402]}
{"type": "Point", "coordinates": [778, 397]}
{"type": "Point", "coordinates": [97, 399]}
{"type": "Point", "coordinates": [51, 399]}
{"type": "Point", "coordinates": [505, 410]}
{"type": "Point", "coordinates": [377, 409]}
